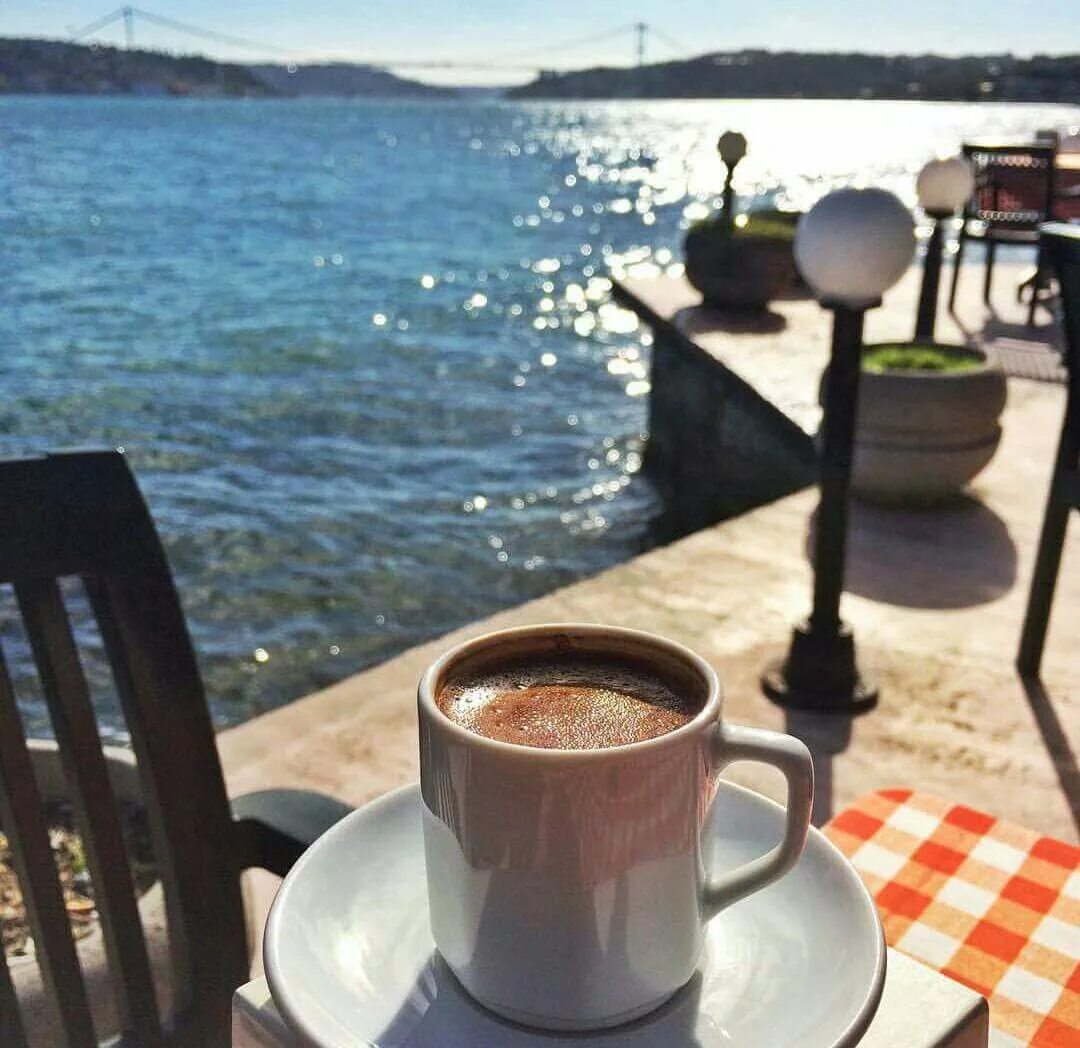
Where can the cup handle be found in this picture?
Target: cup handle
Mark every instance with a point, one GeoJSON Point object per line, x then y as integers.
{"type": "Point", "coordinates": [731, 743]}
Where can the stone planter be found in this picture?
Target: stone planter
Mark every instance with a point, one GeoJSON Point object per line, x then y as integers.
{"type": "Point", "coordinates": [738, 271]}
{"type": "Point", "coordinates": [922, 436]}
{"type": "Point", "coordinates": [36, 1010]}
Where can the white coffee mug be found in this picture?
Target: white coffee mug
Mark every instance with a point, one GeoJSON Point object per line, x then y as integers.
{"type": "Point", "coordinates": [567, 887]}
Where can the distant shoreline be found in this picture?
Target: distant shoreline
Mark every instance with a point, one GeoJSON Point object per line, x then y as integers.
{"type": "Point", "coordinates": [471, 99]}
{"type": "Point", "coordinates": [755, 74]}
{"type": "Point", "coordinates": [58, 67]}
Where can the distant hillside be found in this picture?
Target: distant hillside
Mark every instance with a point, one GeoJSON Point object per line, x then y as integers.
{"type": "Point", "coordinates": [343, 80]}
{"type": "Point", "coordinates": [57, 67]}
{"type": "Point", "coordinates": [789, 74]}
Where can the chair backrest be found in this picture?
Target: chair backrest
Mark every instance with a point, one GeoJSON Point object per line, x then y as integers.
{"type": "Point", "coordinates": [81, 514]}
{"type": "Point", "coordinates": [1014, 185]}
{"type": "Point", "coordinates": [1061, 243]}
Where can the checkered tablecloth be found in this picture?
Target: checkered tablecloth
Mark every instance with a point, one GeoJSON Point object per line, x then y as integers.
{"type": "Point", "coordinates": [988, 903]}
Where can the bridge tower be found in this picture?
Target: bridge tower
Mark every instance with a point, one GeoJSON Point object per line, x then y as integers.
{"type": "Point", "coordinates": [129, 27]}
{"type": "Point", "coordinates": [641, 29]}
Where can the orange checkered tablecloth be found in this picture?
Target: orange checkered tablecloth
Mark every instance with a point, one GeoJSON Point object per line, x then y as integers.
{"type": "Point", "coordinates": [988, 903]}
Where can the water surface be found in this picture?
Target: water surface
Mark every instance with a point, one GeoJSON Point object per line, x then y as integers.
{"type": "Point", "coordinates": [360, 354]}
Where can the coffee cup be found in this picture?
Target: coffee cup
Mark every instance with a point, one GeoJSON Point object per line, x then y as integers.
{"type": "Point", "coordinates": [567, 887]}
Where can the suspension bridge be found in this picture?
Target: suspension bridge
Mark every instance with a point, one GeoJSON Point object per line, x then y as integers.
{"type": "Point", "coordinates": [640, 37]}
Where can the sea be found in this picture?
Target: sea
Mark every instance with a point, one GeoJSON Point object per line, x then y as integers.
{"type": "Point", "coordinates": [361, 354]}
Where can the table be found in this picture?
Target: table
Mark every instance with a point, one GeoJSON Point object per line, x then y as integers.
{"type": "Point", "coordinates": [948, 1015]}
{"type": "Point", "coordinates": [974, 909]}
{"type": "Point", "coordinates": [990, 904]}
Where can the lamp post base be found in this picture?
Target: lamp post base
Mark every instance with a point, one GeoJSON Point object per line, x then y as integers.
{"type": "Point", "coordinates": [819, 674]}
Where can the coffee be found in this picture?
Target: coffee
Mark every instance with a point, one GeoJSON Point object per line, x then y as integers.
{"type": "Point", "coordinates": [572, 702]}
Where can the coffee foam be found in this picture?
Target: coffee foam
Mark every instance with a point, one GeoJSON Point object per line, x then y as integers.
{"type": "Point", "coordinates": [582, 702]}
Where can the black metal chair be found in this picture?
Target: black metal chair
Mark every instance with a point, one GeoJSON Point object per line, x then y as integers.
{"type": "Point", "coordinates": [1014, 194]}
{"type": "Point", "coordinates": [1061, 244]}
{"type": "Point", "coordinates": [81, 514]}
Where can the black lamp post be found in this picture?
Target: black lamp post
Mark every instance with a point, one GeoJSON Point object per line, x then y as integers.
{"type": "Point", "coordinates": [943, 186]}
{"type": "Point", "coordinates": [928, 294]}
{"type": "Point", "coordinates": [732, 148]}
{"type": "Point", "coordinates": [852, 246]}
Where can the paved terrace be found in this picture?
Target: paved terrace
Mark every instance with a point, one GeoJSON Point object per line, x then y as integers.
{"type": "Point", "coordinates": [936, 599]}
{"type": "Point", "coordinates": [783, 352]}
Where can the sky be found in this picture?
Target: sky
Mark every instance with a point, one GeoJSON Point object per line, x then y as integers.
{"type": "Point", "coordinates": [562, 33]}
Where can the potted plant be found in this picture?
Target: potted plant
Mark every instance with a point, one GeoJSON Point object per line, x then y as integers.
{"type": "Point", "coordinates": [744, 262]}
{"type": "Point", "coordinates": [744, 265]}
{"type": "Point", "coordinates": [927, 421]}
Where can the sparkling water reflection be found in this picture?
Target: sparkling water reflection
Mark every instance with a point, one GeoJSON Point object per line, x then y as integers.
{"type": "Point", "coordinates": [361, 354]}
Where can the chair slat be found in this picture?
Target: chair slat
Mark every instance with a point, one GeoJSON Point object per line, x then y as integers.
{"type": "Point", "coordinates": [1062, 243]}
{"type": "Point", "coordinates": [66, 692]}
{"type": "Point", "coordinates": [1070, 490]}
{"type": "Point", "coordinates": [24, 820]}
{"type": "Point", "coordinates": [180, 948]}
{"type": "Point", "coordinates": [11, 1030]}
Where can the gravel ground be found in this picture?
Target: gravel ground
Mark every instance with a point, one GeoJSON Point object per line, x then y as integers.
{"type": "Point", "coordinates": [75, 883]}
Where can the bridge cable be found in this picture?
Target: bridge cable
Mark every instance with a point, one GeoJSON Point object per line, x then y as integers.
{"type": "Point", "coordinates": [591, 38]}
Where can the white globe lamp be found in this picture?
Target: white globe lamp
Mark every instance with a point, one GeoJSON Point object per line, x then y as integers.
{"type": "Point", "coordinates": [944, 186]}
{"type": "Point", "coordinates": [732, 147]}
{"type": "Point", "coordinates": [853, 245]}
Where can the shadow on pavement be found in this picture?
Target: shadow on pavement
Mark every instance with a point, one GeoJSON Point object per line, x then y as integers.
{"type": "Point", "coordinates": [698, 320]}
{"type": "Point", "coordinates": [953, 556]}
{"type": "Point", "coordinates": [826, 736]}
{"type": "Point", "coordinates": [1057, 744]}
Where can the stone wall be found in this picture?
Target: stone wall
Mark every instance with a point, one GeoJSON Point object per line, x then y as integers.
{"type": "Point", "coordinates": [716, 447]}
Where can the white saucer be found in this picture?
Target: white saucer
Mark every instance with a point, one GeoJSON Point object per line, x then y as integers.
{"type": "Point", "coordinates": [351, 964]}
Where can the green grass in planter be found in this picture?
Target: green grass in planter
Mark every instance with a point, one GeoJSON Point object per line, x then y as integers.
{"type": "Point", "coordinates": [917, 358]}
{"type": "Point", "coordinates": [765, 225]}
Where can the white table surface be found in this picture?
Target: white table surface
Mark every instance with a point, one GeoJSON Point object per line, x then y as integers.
{"type": "Point", "coordinates": [919, 1009]}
